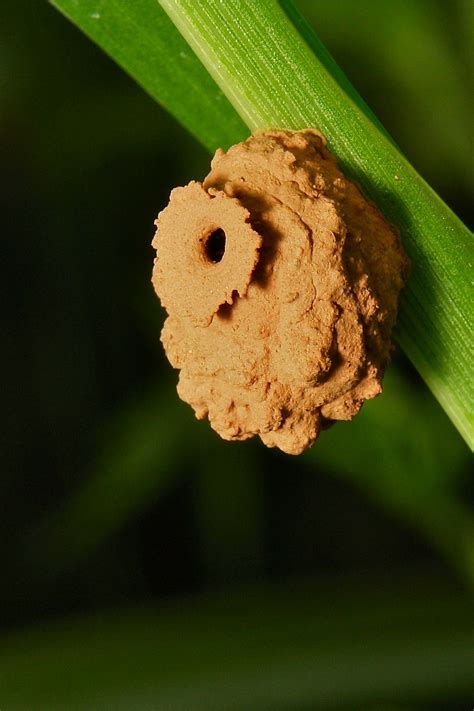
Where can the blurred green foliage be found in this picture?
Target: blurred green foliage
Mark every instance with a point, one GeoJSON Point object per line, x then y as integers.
{"type": "Point", "coordinates": [114, 495]}
{"type": "Point", "coordinates": [308, 646]}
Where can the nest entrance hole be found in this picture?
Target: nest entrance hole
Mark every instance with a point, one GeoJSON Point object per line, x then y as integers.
{"type": "Point", "coordinates": [214, 246]}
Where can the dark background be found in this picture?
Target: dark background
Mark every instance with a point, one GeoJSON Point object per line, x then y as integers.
{"type": "Point", "coordinates": [112, 495]}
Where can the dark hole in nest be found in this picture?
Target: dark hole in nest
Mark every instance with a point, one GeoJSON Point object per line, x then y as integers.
{"type": "Point", "coordinates": [214, 247]}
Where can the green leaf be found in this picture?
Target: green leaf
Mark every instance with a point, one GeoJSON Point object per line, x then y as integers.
{"type": "Point", "coordinates": [323, 644]}
{"type": "Point", "coordinates": [428, 446]}
{"type": "Point", "coordinates": [275, 72]}
{"type": "Point", "coordinates": [274, 78]}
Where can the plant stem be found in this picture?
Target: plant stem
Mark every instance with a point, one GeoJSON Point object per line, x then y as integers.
{"type": "Point", "coordinates": [275, 78]}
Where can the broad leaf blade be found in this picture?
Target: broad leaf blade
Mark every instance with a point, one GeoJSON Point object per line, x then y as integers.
{"type": "Point", "coordinates": [275, 79]}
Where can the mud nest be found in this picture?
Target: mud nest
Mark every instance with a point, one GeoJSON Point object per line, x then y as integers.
{"type": "Point", "coordinates": [281, 283]}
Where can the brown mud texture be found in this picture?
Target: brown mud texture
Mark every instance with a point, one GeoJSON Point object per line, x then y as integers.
{"type": "Point", "coordinates": [281, 283]}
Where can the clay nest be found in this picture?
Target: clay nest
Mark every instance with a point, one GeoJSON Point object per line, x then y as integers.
{"type": "Point", "coordinates": [281, 283]}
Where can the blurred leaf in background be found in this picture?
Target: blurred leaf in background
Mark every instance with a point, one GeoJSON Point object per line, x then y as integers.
{"type": "Point", "coordinates": [114, 495]}
{"type": "Point", "coordinates": [304, 646]}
